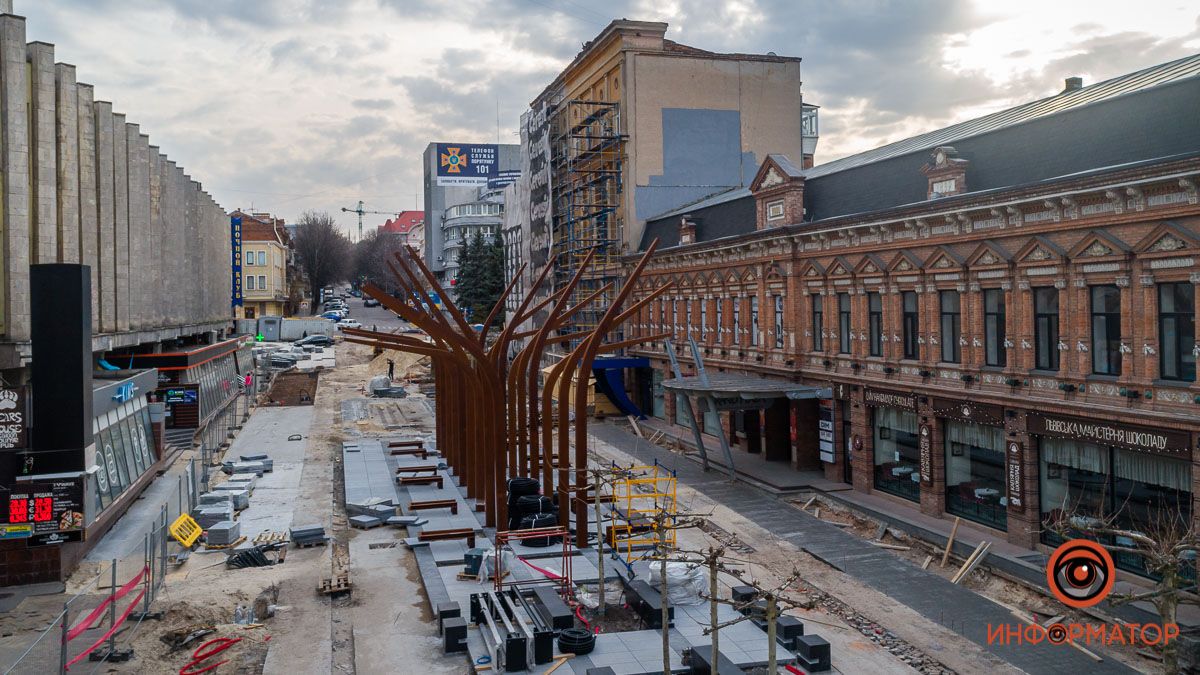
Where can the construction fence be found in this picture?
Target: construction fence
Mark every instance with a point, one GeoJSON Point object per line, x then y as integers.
{"type": "Point", "coordinates": [101, 619]}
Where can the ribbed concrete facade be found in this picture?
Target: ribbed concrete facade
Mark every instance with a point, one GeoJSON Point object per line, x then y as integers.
{"type": "Point", "coordinates": [82, 184]}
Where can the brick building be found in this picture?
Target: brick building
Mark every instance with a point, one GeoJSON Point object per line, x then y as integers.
{"type": "Point", "coordinates": [996, 320]}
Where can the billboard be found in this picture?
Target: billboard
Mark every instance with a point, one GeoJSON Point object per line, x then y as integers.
{"type": "Point", "coordinates": [466, 164]}
{"type": "Point", "coordinates": [51, 512]}
{"type": "Point", "coordinates": [235, 244]}
{"type": "Point", "coordinates": [502, 178]}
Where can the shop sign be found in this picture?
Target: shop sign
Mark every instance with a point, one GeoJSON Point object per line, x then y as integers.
{"type": "Point", "coordinates": [181, 395]}
{"type": "Point", "coordinates": [891, 399]}
{"type": "Point", "coordinates": [825, 431]}
{"type": "Point", "coordinates": [235, 268]}
{"type": "Point", "coordinates": [13, 418]}
{"type": "Point", "coordinates": [968, 411]}
{"type": "Point", "coordinates": [925, 448]}
{"type": "Point", "coordinates": [1133, 437]}
{"type": "Point", "coordinates": [1016, 491]}
{"type": "Point", "coordinates": [47, 507]}
{"type": "Point", "coordinates": [52, 538]}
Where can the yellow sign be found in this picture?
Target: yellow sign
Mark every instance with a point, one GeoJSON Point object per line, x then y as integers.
{"type": "Point", "coordinates": [186, 530]}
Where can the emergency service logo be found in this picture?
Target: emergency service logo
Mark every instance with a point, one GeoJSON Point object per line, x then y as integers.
{"type": "Point", "coordinates": [1080, 573]}
{"type": "Point", "coordinates": [454, 160]}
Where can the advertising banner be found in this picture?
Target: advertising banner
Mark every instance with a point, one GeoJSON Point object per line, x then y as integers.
{"type": "Point", "coordinates": [51, 511]}
{"type": "Point", "coordinates": [466, 164]}
{"type": "Point", "coordinates": [235, 245]}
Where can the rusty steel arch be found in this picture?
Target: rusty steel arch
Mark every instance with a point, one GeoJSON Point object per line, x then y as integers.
{"type": "Point", "coordinates": [493, 420]}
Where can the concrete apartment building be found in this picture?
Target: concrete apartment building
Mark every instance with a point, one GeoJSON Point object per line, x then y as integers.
{"type": "Point", "coordinates": [442, 245]}
{"type": "Point", "coordinates": [638, 124]}
{"type": "Point", "coordinates": [266, 257]}
{"type": "Point", "coordinates": [994, 321]}
{"type": "Point", "coordinates": [83, 186]}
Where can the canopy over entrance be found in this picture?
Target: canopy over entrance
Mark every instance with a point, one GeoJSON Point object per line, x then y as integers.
{"type": "Point", "coordinates": [730, 391]}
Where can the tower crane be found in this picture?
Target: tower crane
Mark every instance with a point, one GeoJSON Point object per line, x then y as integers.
{"type": "Point", "coordinates": [360, 211]}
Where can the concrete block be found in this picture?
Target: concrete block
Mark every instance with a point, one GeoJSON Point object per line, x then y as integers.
{"type": "Point", "coordinates": [66, 108]}
{"type": "Point", "coordinates": [121, 219]}
{"type": "Point", "coordinates": [223, 533]}
{"type": "Point", "coordinates": [365, 522]}
{"type": "Point", "coordinates": [88, 222]}
{"type": "Point", "coordinates": [14, 161]}
{"type": "Point", "coordinates": [106, 214]}
{"type": "Point", "coordinates": [43, 139]}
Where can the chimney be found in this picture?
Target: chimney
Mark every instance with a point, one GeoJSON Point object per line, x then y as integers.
{"type": "Point", "coordinates": [687, 231]}
{"type": "Point", "coordinates": [1072, 84]}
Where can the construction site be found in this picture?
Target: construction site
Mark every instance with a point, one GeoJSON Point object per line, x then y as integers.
{"type": "Point", "coordinates": [586, 163]}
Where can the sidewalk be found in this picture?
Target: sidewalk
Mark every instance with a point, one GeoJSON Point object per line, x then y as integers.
{"type": "Point", "coordinates": [961, 610]}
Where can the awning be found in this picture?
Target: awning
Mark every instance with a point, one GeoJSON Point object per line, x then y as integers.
{"type": "Point", "coordinates": [728, 389]}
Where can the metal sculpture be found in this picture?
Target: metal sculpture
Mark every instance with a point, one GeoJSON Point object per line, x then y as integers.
{"type": "Point", "coordinates": [493, 421]}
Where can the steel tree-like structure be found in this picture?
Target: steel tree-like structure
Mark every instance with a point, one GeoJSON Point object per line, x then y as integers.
{"type": "Point", "coordinates": [494, 422]}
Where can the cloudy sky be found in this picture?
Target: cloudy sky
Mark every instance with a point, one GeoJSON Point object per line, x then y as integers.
{"type": "Point", "coordinates": [288, 105]}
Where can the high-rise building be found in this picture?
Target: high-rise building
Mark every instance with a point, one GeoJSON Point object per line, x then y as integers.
{"type": "Point", "coordinates": [638, 124]}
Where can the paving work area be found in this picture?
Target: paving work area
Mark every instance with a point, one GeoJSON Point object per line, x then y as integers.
{"type": "Point", "coordinates": [930, 600]}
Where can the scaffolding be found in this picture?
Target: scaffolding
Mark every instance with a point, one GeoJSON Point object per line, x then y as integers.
{"type": "Point", "coordinates": [587, 153]}
{"type": "Point", "coordinates": [641, 498]}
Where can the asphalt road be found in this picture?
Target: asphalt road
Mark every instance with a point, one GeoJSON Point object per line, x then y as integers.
{"type": "Point", "coordinates": [373, 318]}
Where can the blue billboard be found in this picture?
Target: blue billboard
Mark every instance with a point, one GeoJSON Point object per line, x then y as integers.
{"type": "Point", "coordinates": [466, 164]}
{"type": "Point", "coordinates": [235, 245]}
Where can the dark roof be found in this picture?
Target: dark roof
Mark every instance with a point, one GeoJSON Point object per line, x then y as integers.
{"type": "Point", "coordinates": [1143, 116]}
{"type": "Point", "coordinates": [1153, 76]}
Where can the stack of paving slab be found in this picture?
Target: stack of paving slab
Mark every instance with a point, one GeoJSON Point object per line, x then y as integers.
{"type": "Point", "coordinates": [223, 533]}
{"type": "Point", "coordinates": [376, 507]}
{"type": "Point", "coordinates": [304, 535]}
{"type": "Point", "coordinates": [247, 480]}
{"type": "Point", "coordinates": [256, 468]}
{"type": "Point", "coordinates": [268, 464]}
{"type": "Point", "coordinates": [238, 498]}
{"type": "Point", "coordinates": [207, 516]}
{"type": "Point", "coordinates": [215, 498]}
{"type": "Point", "coordinates": [367, 476]}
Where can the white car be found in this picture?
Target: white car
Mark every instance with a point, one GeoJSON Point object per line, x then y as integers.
{"type": "Point", "coordinates": [348, 323]}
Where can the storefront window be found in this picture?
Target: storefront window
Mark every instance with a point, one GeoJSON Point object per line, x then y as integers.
{"type": "Point", "coordinates": [681, 403]}
{"type": "Point", "coordinates": [975, 473]}
{"type": "Point", "coordinates": [896, 456]}
{"type": "Point", "coordinates": [712, 423]}
{"type": "Point", "coordinates": [1084, 480]}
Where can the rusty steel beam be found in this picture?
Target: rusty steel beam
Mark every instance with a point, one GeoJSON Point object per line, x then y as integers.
{"type": "Point", "coordinates": [493, 420]}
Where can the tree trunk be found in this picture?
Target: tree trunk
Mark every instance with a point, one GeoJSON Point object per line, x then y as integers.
{"type": "Point", "coordinates": [599, 547]}
{"type": "Point", "coordinates": [1167, 605]}
{"type": "Point", "coordinates": [712, 594]}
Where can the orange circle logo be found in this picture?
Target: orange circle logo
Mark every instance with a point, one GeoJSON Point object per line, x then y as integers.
{"type": "Point", "coordinates": [1080, 573]}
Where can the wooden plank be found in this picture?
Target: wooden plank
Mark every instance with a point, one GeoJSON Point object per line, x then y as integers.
{"type": "Point", "coordinates": [808, 503]}
{"type": "Point", "coordinates": [891, 547]}
{"type": "Point", "coordinates": [880, 531]}
{"type": "Point", "coordinates": [950, 541]}
{"type": "Point", "coordinates": [976, 558]}
{"type": "Point", "coordinates": [928, 559]}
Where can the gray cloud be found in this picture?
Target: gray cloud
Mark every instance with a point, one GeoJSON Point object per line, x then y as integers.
{"type": "Point", "coordinates": [298, 104]}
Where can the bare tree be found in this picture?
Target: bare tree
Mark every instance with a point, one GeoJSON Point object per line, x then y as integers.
{"type": "Point", "coordinates": [371, 257]}
{"type": "Point", "coordinates": [323, 249]}
{"type": "Point", "coordinates": [1167, 545]}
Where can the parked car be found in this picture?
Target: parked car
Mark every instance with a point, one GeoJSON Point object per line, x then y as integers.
{"type": "Point", "coordinates": [370, 302]}
{"type": "Point", "coordinates": [348, 323]}
{"type": "Point", "coordinates": [332, 316]}
{"type": "Point", "coordinates": [316, 341]}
